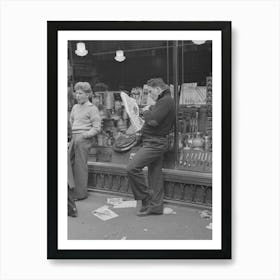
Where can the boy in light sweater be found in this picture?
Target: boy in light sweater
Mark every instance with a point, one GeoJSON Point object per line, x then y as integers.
{"type": "Point", "coordinates": [86, 123]}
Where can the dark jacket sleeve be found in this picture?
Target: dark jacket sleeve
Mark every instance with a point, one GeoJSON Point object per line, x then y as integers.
{"type": "Point", "coordinates": [154, 116]}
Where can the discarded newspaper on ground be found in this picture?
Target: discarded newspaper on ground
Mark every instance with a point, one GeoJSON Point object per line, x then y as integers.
{"type": "Point", "coordinates": [126, 204]}
{"type": "Point", "coordinates": [119, 202]}
{"type": "Point", "coordinates": [209, 226]}
{"type": "Point", "coordinates": [205, 214]}
{"type": "Point", "coordinates": [168, 211]}
{"type": "Point", "coordinates": [104, 213]}
{"type": "Point", "coordinates": [114, 200]}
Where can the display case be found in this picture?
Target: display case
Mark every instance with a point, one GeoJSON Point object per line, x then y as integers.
{"type": "Point", "coordinates": [195, 127]}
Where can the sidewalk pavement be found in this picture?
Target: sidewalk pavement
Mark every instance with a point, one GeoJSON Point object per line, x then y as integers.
{"type": "Point", "coordinates": [186, 224]}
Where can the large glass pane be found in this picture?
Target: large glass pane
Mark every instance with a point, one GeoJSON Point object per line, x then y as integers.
{"type": "Point", "coordinates": [195, 106]}
{"type": "Point", "coordinates": [111, 67]}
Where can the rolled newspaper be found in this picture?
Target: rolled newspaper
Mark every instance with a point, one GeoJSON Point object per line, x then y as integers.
{"type": "Point", "coordinates": [132, 110]}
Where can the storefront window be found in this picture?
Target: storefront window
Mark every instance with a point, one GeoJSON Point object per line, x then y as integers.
{"type": "Point", "coordinates": [114, 66]}
{"type": "Point", "coordinates": [195, 106]}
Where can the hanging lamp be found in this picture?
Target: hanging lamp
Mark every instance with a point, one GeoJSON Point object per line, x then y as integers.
{"type": "Point", "coordinates": [199, 42]}
{"type": "Point", "coordinates": [120, 56]}
{"type": "Point", "coordinates": [81, 49]}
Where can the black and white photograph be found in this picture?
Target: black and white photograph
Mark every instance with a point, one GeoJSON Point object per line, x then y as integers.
{"type": "Point", "coordinates": [139, 140]}
{"type": "Point", "coordinates": [144, 117]}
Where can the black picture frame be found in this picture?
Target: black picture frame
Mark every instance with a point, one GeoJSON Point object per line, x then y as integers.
{"type": "Point", "coordinates": [52, 146]}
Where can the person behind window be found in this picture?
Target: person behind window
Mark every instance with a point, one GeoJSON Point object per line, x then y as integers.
{"type": "Point", "coordinates": [159, 119]}
{"type": "Point", "coordinates": [85, 123]}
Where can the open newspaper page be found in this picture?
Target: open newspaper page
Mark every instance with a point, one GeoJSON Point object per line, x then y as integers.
{"type": "Point", "coordinates": [132, 110]}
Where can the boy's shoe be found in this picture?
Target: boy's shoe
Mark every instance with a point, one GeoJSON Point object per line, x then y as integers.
{"type": "Point", "coordinates": [73, 212]}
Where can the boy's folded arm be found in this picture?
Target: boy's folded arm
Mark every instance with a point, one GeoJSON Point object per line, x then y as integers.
{"type": "Point", "coordinates": [96, 123]}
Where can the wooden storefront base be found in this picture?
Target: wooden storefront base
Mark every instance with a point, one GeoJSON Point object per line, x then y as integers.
{"type": "Point", "coordinates": [183, 187]}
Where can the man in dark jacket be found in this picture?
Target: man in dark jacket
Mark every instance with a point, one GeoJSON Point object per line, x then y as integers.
{"type": "Point", "coordinates": [159, 120]}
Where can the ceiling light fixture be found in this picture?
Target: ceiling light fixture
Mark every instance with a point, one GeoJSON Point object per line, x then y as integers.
{"type": "Point", "coordinates": [81, 49]}
{"type": "Point", "coordinates": [119, 56]}
{"type": "Point", "coordinates": [199, 42]}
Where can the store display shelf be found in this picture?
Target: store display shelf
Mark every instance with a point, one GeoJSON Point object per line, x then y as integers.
{"type": "Point", "coordinates": [196, 160]}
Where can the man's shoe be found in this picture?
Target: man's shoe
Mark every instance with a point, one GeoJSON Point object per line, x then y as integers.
{"type": "Point", "coordinates": [149, 211]}
{"type": "Point", "coordinates": [142, 210]}
{"type": "Point", "coordinates": [145, 205]}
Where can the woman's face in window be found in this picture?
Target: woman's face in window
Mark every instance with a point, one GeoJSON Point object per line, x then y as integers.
{"type": "Point", "coordinates": [81, 96]}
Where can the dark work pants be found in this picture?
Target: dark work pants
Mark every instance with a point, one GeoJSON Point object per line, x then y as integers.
{"type": "Point", "coordinates": [72, 209]}
{"type": "Point", "coordinates": [150, 155]}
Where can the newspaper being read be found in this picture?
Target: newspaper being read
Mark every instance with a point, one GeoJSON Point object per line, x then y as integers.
{"type": "Point", "coordinates": [132, 110]}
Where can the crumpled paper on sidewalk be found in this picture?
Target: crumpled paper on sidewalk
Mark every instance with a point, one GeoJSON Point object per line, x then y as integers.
{"type": "Point", "coordinates": [209, 226]}
{"type": "Point", "coordinates": [118, 202]}
{"type": "Point", "coordinates": [205, 214]}
{"type": "Point", "coordinates": [168, 211]}
{"type": "Point", "coordinates": [104, 213]}
{"type": "Point", "coordinates": [126, 204]}
{"type": "Point", "coordinates": [114, 200]}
